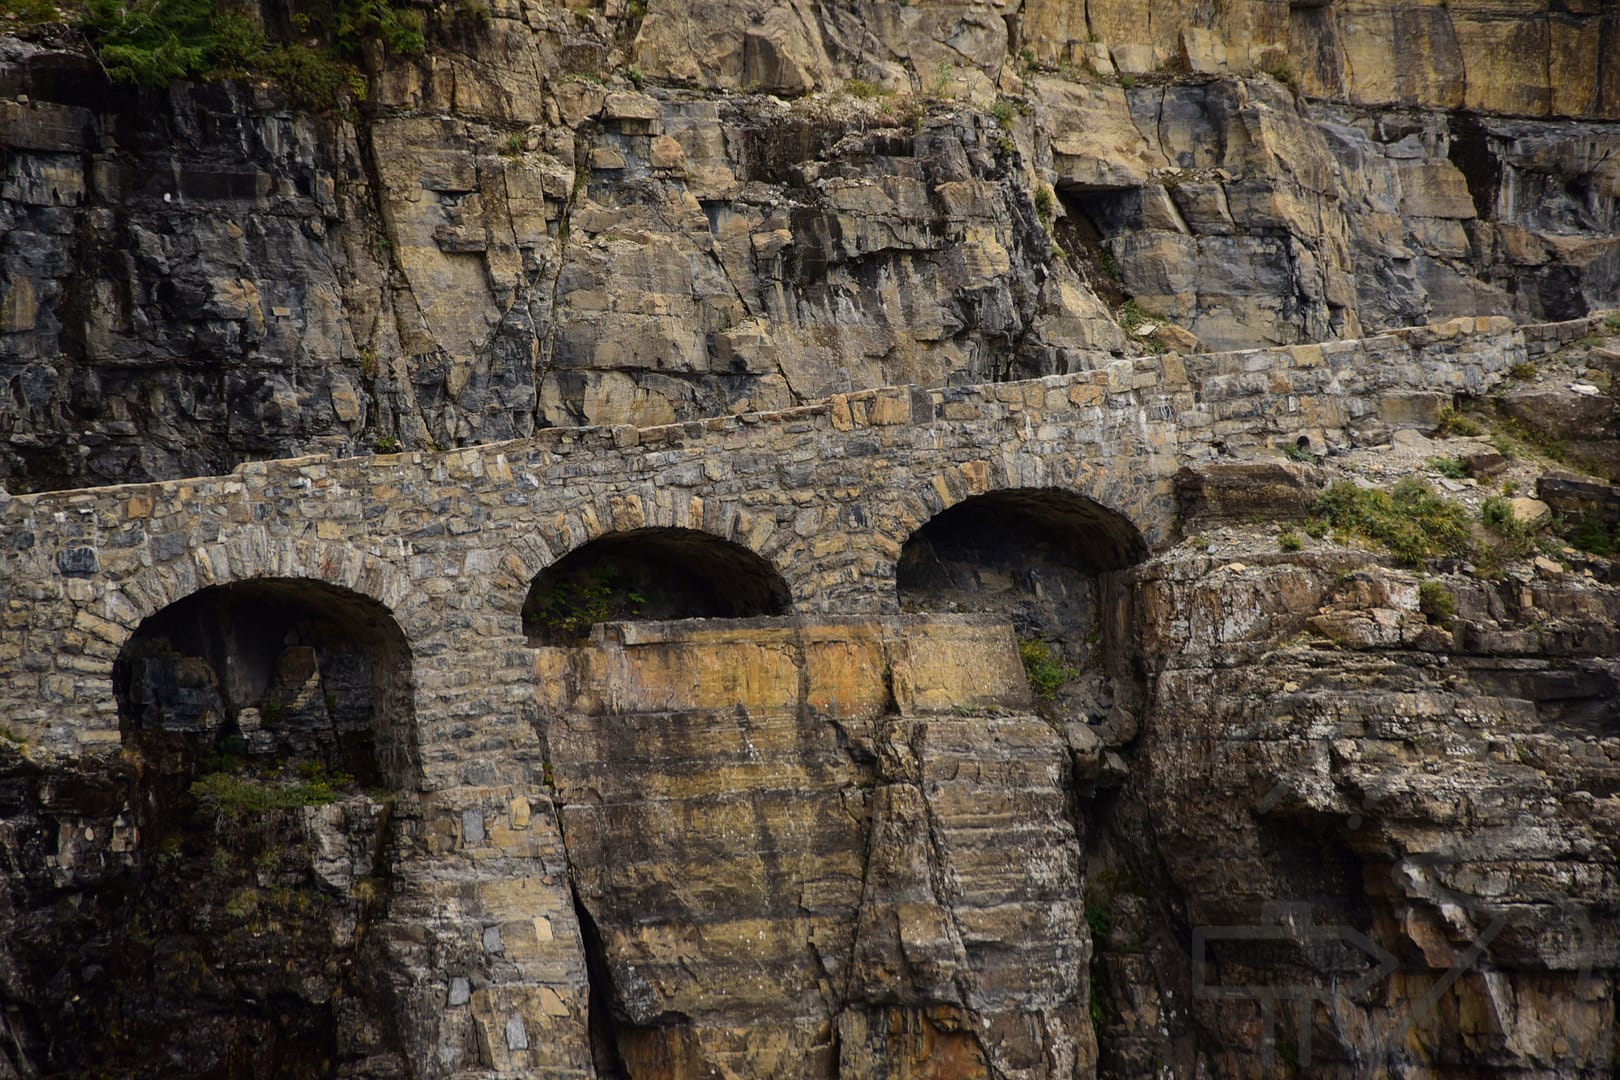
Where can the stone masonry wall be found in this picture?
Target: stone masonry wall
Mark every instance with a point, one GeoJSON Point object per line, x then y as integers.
{"type": "Point", "coordinates": [827, 493]}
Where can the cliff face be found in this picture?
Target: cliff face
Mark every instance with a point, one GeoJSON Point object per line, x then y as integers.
{"type": "Point", "coordinates": [509, 233]}
{"type": "Point", "coordinates": [1023, 734]}
{"type": "Point", "coordinates": [1376, 790]}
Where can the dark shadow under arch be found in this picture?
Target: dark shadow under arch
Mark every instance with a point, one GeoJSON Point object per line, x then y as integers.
{"type": "Point", "coordinates": [1049, 562]}
{"type": "Point", "coordinates": [283, 669]}
{"type": "Point", "coordinates": [987, 539]}
{"type": "Point", "coordinates": [258, 718]}
{"type": "Point", "coordinates": [658, 573]}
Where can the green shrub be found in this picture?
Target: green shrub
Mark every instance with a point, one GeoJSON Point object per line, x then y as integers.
{"type": "Point", "coordinates": [1047, 672]}
{"type": "Point", "coordinates": [151, 43]}
{"type": "Point", "coordinates": [1045, 204]}
{"type": "Point", "coordinates": [1523, 371]}
{"type": "Point", "coordinates": [1003, 112]}
{"type": "Point", "coordinates": [312, 78]}
{"type": "Point", "coordinates": [1516, 538]}
{"type": "Point", "coordinates": [1450, 467]}
{"type": "Point", "coordinates": [1301, 454]}
{"type": "Point", "coordinates": [400, 29]}
{"type": "Point", "coordinates": [239, 45]}
{"type": "Point", "coordinates": [1591, 534]}
{"type": "Point", "coordinates": [1436, 603]}
{"type": "Point", "coordinates": [1131, 317]}
{"type": "Point", "coordinates": [1109, 265]}
{"type": "Point", "coordinates": [1099, 920]}
{"type": "Point", "coordinates": [567, 610]}
{"type": "Point", "coordinates": [865, 90]}
{"type": "Point", "coordinates": [242, 903]}
{"type": "Point", "coordinates": [1411, 520]}
{"type": "Point", "coordinates": [1290, 541]}
{"type": "Point", "coordinates": [1453, 422]}
{"type": "Point", "coordinates": [30, 11]}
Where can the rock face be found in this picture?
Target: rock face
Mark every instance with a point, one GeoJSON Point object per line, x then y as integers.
{"type": "Point", "coordinates": [810, 636]}
{"type": "Point", "coordinates": [1445, 792]}
{"type": "Point", "coordinates": [792, 844]}
{"type": "Point", "coordinates": [560, 217]}
{"type": "Point", "coordinates": [979, 731]}
{"type": "Point", "coordinates": [188, 939]}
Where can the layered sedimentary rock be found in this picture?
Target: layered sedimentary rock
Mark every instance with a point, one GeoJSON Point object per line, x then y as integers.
{"type": "Point", "coordinates": [815, 849]}
{"type": "Point", "coordinates": [1325, 759]}
{"type": "Point", "coordinates": [558, 217]}
{"type": "Point", "coordinates": [1006, 736]}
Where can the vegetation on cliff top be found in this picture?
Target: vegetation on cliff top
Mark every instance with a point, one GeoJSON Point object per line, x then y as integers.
{"type": "Point", "coordinates": [1411, 520]}
{"type": "Point", "coordinates": [150, 43]}
{"type": "Point", "coordinates": [1417, 523]}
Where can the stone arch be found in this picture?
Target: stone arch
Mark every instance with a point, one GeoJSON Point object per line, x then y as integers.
{"type": "Point", "coordinates": [652, 573]}
{"type": "Point", "coordinates": [997, 532]}
{"type": "Point", "coordinates": [263, 712]}
{"type": "Point", "coordinates": [1048, 561]}
{"type": "Point", "coordinates": [251, 555]}
{"type": "Point", "coordinates": [558, 535]}
{"type": "Point", "coordinates": [277, 668]}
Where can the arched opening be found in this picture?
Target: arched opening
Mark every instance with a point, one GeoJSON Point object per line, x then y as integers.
{"type": "Point", "coordinates": [1046, 560]}
{"type": "Point", "coordinates": [272, 670]}
{"type": "Point", "coordinates": [650, 574]}
{"type": "Point", "coordinates": [232, 932]}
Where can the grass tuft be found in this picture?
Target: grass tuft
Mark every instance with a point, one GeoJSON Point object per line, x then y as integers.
{"type": "Point", "coordinates": [235, 795]}
{"type": "Point", "coordinates": [1047, 673]}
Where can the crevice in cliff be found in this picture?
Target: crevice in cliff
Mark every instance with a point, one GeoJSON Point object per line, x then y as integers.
{"type": "Point", "coordinates": [380, 234]}
{"type": "Point", "coordinates": [1471, 152]}
{"type": "Point", "coordinates": [1078, 233]}
{"type": "Point", "coordinates": [1138, 930]}
{"type": "Point", "coordinates": [606, 1054]}
{"type": "Point", "coordinates": [545, 355]}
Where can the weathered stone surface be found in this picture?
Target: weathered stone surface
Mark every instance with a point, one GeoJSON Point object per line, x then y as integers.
{"type": "Point", "coordinates": [1272, 489]}
{"type": "Point", "coordinates": [522, 235]}
{"type": "Point", "coordinates": [1315, 813]}
{"type": "Point", "coordinates": [811, 845]}
{"type": "Point", "coordinates": [776, 839]}
{"type": "Point", "coordinates": [859, 828]}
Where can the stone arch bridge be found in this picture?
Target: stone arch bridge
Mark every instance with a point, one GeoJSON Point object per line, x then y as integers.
{"type": "Point", "coordinates": [448, 543]}
{"type": "Point", "coordinates": [827, 493]}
